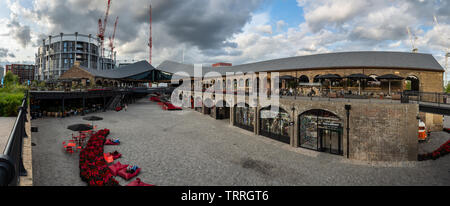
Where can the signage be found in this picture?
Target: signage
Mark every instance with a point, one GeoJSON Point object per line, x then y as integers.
{"type": "Point", "coordinates": [268, 114]}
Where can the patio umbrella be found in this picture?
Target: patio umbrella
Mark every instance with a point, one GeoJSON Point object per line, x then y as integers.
{"type": "Point", "coordinates": [93, 118]}
{"type": "Point", "coordinates": [330, 77]}
{"type": "Point", "coordinates": [287, 77]}
{"type": "Point", "coordinates": [79, 127]}
{"type": "Point", "coordinates": [389, 77]}
{"type": "Point", "coordinates": [358, 77]}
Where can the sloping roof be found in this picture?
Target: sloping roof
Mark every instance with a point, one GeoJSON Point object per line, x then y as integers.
{"type": "Point", "coordinates": [122, 72]}
{"type": "Point", "coordinates": [342, 60]}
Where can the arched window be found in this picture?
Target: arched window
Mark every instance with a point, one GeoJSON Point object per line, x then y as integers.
{"type": "Point", "coordinates": [320, 130]}
{"type": "Point", "coordinates": [303, 79]}
{"type": "Point", "coordinates": [412, 83]}
{"type": "Point", "coordinates": [275, 125]}
{"type": "Point", "coordinates": [316, 79]}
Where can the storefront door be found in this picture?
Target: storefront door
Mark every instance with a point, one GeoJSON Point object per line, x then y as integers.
{"type": "Point", "coordinates": [330, 141]}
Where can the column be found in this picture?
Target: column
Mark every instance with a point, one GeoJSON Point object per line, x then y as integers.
{"type": "Point", "coordinates": [63, 109]}
{"type": "Point", "coordinates": [84, 105]}
{"type": "Point", "coordinates": [257, 120]}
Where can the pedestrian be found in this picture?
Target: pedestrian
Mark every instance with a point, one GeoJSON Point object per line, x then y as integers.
{"type": "Point", "coordinates": [126, 107]}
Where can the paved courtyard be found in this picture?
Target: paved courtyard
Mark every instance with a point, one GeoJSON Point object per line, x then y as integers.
{"type": "Point", "coordinates": [188, 148]}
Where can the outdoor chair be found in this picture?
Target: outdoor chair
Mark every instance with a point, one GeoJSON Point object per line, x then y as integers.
{"type": "Point", "coordinates": [138, 182]}
{"type": "Point", "coordinates": [70, 146]}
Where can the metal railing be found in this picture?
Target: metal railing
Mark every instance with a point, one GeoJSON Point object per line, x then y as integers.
{"type": "Point", "coordinates": [438, 98]}
{"type": "Point", "coordinates": [11, 164]}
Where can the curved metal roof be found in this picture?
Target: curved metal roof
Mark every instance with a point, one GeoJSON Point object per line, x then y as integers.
{"type": "Point", "coordinates": [341, 60]}
{"type": "Point", "coordinates": [122, 72]}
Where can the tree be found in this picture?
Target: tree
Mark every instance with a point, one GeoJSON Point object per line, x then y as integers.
{"type": "Point", "coordinates": [447, 88]}
{"type": "Point", "coordinates": [408, 85]}
{"type": "Point", "coordinates": [10, 79]}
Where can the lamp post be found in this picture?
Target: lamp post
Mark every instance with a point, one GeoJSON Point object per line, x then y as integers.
{"type": "Point", "coordinates": [348, 108]}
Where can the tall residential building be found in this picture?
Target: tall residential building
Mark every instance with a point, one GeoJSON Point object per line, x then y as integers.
{"type": "Point", "coordinates": [24, 71]}
{"type": "Point", "coordinates": [58, 53]}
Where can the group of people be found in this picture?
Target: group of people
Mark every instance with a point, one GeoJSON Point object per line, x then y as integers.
{"type": "Point", "coordinates": [302, 91]}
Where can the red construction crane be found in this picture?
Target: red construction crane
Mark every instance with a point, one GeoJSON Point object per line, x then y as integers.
{"type": "Point", "coordinates": [102, 27]}
{"type": "Point", "coordinates": [111, 39]}
{"type": "Point", "coordinates": [150, 43]}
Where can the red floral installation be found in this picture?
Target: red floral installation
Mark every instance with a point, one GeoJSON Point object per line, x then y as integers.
{"type": "Point", "coordinates": [440, 152]}
{"type": "Point", "coordinates": [93, 166]}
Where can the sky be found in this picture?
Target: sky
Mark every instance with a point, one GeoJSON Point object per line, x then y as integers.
{"type": "Point", "coordinates": [235, 31]}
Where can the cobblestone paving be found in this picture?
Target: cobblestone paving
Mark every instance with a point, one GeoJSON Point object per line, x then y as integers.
{"type": "Point", "coordinates": [188, 148]}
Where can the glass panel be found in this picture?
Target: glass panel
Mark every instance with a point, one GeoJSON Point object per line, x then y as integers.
{"type": "Point", "coordinates": [308, 131]}
{"type": "Point", "coordinates": [335, 142]}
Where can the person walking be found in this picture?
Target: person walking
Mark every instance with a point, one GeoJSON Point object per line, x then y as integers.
{"type": "Point", "coordinates": [126, 107]}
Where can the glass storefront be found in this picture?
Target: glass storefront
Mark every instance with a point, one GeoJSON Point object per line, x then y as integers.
{"type": "Point", "coordinates": [275, 125]}
{"type": "Point", "coordinates": [244, 117]}
{"type": "Point", "coordinates": [320, 130]}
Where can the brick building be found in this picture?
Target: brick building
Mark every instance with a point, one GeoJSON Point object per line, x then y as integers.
{"type": "Point", "coordinates": [374, 129]}
{"type": "Point", "coordinates": [24, 71]}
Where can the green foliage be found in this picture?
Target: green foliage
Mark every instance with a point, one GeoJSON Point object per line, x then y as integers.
{"type": "Point", "coordinates": [9, 103]}
{"type": "Point", "coordinates": [447, 88]}
{"type": "Point", "coordinates": [11, 95]}
{"type": "Point", "coordinates": [10, 79]}
{"type": "Point", "coordinates": [408, 85]}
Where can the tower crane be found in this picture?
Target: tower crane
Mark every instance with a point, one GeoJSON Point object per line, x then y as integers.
{"type": "Point", "coordinates": [150, 40]}
{"type": "Point", "coordinates": [102, 28]}
{"type": "Point", "coordinates": [447, 54]}
{"type": "Point", "coordinates": [111, 39]}
{"type": "Point", "coordinates": [412, 38]}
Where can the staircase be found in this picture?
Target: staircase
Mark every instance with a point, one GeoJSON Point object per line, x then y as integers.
{"type": "Point", "coordinates": [115, 101]}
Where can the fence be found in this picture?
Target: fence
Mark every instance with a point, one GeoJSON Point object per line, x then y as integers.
{"type": "Point", "coordinates": [11, 164]}
{"type": "Point", "coordinates": [429, 97]}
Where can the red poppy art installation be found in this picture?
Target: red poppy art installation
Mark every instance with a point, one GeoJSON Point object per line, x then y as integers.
{"type": "Point", "coordinates": [441, 151]}
{"type": "Point", "coordinates": [93, 166]}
